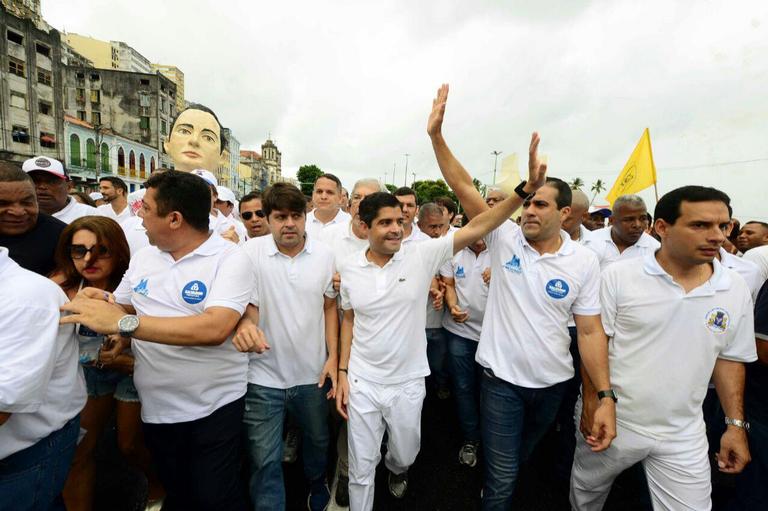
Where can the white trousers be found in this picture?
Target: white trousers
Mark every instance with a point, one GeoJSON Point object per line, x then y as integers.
{"type": "Point", "coordinates": [374, 408]}
{"type": "Point", "coordinates": [677, 470]}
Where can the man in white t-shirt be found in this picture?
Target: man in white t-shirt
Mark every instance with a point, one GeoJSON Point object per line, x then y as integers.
{"type": "Point", "coordinates": [292, 354]}
{"type": "Point", "coordinates": [252, 215]}
{"type": "Point", "coordinates": [540, 278]}
{"type": "Point", "coordinates": [759, 256]}
{"type": "Point", "coordinates": [42, 390]}
{"type": "Point", "coordinates": [674, 319]}
{"type": "Point", "coordinates": [753, 234]}
{"type": "Point", "coordinates": [411, 231]}
{"type": "Point", "coordinates": [180, 301]}
{"type": "Point", "coordinates": [115, 194]}
{"type": "Point", "coordinates": [574, 223]}
{"type": "Point", "coordinates": [326, 195]}
{"type": "Point", "coordinates": [52, 189]}
{"type": "Point", "coordinates": [381, 371]}
{"type": "Point", "coordinates": [625, 238]}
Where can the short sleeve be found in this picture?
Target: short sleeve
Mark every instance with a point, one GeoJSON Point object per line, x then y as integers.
{"type": "Point", "coordinates": [125, 288]}
{"type": "Point", "coordinates": [587, 303]}
{"type": "Point", "coordinates": [508, 228]}
{"type": "Point", "coordinates": [608, 302]}
{"type": "Point", "coordinates": [446, 270]}
{"type": "Point", "coordinates": [741, 347]}
{"type": "Point", "coordinates": [346, 304]}
{"type": "Point", "coordinates": [233, 285]}
{"type": "Point", "coordinates": [329, 292]}
{"type": "Point", "coordinates": [436, 252]}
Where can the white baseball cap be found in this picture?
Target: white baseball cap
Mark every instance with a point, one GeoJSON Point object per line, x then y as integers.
{"type": "Point", "coordinates": [226, 195]}
{"type": "Point", "coordinates": [604, 211]}
{"type": "Point", "coordinates": [96, 195]}
{"type": "Point", "coordinates": [46, 165]}
{"type": "Point", "coordinates": [207, 176]}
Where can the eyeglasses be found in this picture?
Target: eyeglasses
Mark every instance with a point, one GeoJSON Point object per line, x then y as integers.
{"type": "Point", "coordinates": [79, 251]}
{"type": "Point", "coordinates": [248, 214]}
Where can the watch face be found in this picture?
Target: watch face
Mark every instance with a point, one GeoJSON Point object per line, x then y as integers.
{"type": "Point", "coordinates": [128, 323]}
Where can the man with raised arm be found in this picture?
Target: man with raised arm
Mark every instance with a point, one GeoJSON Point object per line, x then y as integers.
{"type": "Point", "coordinates": [540, 277]}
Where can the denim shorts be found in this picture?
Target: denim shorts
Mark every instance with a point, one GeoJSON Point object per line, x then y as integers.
{"type": "Point", "coordinates": [103, 382]}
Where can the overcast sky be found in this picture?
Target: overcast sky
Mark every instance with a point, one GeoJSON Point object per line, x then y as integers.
{"type": "Point", "coordinates": [347, 85]}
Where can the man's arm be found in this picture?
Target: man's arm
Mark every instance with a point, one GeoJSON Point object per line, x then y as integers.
{"type": "Point", "coordinates": [331, 367]}
{"type": "Point", "coordinates": [452, 301]}
{"type": "Point", "coordinates": [729, 382]}
{"type": "Point", "coordinates": [342, 394]}
{"type": "Point", "coordinates": [248, 336]}
{"type": "Point", "coordinates": [762, 351]}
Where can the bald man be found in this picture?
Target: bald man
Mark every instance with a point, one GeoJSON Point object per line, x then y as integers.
{"type": "Point", "coordinates": [572, 224]}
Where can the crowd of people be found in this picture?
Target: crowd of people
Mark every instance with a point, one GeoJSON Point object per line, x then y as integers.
{"type": "Point", "coordinates": [210, 329]}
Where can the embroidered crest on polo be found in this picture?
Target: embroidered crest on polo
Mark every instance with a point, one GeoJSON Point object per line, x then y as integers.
{"type": "Point", "coordinates": [557, 289]}
{"type": "Point", "coordinates": [513, 265]}
{"type": "Point", "coordinates": [460, 272]}
{"type": "Point", "coordinates": [141, 288]}
{"type": "Point", "coordinates": [194, 292]}
{"type": "Point", "coordinates": [718, 320]}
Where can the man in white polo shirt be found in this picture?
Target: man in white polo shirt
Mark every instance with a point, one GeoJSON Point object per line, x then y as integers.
{"type": "Point", "coordinates": [183, 297]}
{"type": "Point", "coordinates": [625, 238]}
{"type": "Point", "coordinates": [381, 373]}
{"type": "Point", "coordinates": [289, 376]}
{"type": "Point", "coordinates": [42, 390]}
{"type": "Point", "coordinates": [540, 277]}
{"type": "Point", "coordinates": [326, 194]}
{"type": "Point", "coordinates": [411, 231]}
{"type": "Point", "coordinates": [52, 189]}
{"type": "Point", "coordinates": [115, 194]}
{"type": "Point", "coordinates": [674, 319]}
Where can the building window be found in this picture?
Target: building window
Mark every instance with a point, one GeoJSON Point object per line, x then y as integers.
{"type": "Point", "coordinates": [81, 115]}
{"type": "Point", "coordinates": [80, 76]}
{"type": "Point", "coordinates": [74, 150]}
{"type": "Point", "coordinates": [90, 154]}
{"type": "Point", "coordinates": [20, 134]}
{"type": "Point", "coordinates": [162, 105]}
{"type": "Point", "coordinates": [152, 165]}
{"type": "Point", "coordinates": [105, 157]}
{"type": "Point", "coordinates": [47, 140]}
{"type": "Point", "coordinates": [95, 77]}
{"type": "Point", "coordinates": [16, 67]}
{"type": "Point", "coordinates": [15, 37]}
{"type": "Point", "coordinates": [44, 77]}
{"type": "Point", "coordinates": [131, 160]}
{"type": "Point", "coordinates": [96, 118]}
{"type": "Point", "coordinates": [80, 95]}
{"type": "Point", "coordinates": [144, 82]}
{"type": "Point", "coordinates": [45, 108]}
{"type": "Point", "coordinates": [96, 96]}
{"type": "Point", "coordinates": [18, 99]}
{"type": "Point", "coordinates": [163, 127]}
{"type": "Point", "coordinates": [43, 50]}
{"type": "Point", "coordinates": [144, 123]}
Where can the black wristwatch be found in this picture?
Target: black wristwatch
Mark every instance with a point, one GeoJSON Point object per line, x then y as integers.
{"type": "Point", "coordinates": [519, 190]}
{"type": "Point", "coordinates": [607, 393]}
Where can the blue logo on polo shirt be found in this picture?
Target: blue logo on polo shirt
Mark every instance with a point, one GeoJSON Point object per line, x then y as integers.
{"type": "Point", "coordinates": [460, 272]}
{"type": "Point", "coordinates": [557, 288]}
{"type": "Point", "coordinates": [141, 288]}
{"type": "Point", "coordinates": [514, 265]}
{"type": "Point", "coordinates": [194, 292]}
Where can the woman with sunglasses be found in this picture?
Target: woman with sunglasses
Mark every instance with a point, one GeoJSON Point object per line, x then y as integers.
{"type": "Point", "coordinates": [93, 252]}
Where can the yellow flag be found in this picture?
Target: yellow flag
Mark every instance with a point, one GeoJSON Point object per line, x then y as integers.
{"type": "Point", "coordinates": [639, 172]}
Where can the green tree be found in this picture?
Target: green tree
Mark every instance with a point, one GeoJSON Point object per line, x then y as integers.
{"type": "Point", "coordinates": [480, 187]}
{"type": "Point", "coordinates": [597, 187]}
{"type": "Point", "coordinates": [428, 190]}
{"type": "Point", "coordinates": [576, 183]}
{"type": "Point", "coordinates": [307, 175]}
{"type": "Point", "coordinates": [390, 187]}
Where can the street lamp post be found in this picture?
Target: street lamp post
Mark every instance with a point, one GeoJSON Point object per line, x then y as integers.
{"type": "Point", "coordinates": [414, 178]}
{"type": "Point", "coordinates": [405, 176]}
{"type": "Point", "coordinates": [495, 161]}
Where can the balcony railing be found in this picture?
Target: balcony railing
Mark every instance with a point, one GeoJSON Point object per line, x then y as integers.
{"type": "Point", "coordinates": [86, 172]}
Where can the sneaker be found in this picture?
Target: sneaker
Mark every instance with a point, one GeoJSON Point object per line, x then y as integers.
{"type": "Point", "coordinates": [468, 454]}
{"type": "Point", "coordinates": [443, 393]}
{"type": "Point", "coordinates": [398, 484]}
{"type": "Point", "coordinates": [342, 491]}
{"type": "Point", "coordinates": [319, 497]}
{"type": "Point", "coordinates": [291, 446]}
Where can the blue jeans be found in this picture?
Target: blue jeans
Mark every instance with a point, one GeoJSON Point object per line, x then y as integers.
{"type": "Point", "coordinates": [436, 354]}
{"type": "Point", "coordinates": [514, 420]}
{"type": "Point", "coordinates": [32, 479]}
{"type": "Point", "coordinates": [265, 409]}
{"type": "Point", "coordinates": [465, 373]}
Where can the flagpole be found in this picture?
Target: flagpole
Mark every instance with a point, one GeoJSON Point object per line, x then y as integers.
{"type": "Point", "coordinates": [653, 164]}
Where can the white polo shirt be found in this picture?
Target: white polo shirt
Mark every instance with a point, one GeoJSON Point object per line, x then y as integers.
{"type": "Point", "coordinates": [607, 252]}
{"type": "Point", "coordinates": [313, 226]}
{"type": "Point", "coordinates": [186, 383]}
{"type": "Point", "coordinates": [108, 211]}
{"type": "Point", "coordinates": [41, 382]}
{"type": "Point", "coordinates": [221, 223]}
{"type": "Point", "coordinates": [663, 343]}
{"type": "Point", "coordinates": [416, 235]}
{"type": "Point", "coordinates": [74, 210]}
{"type": "Point", "coordinates": [748, 270]}
{"type": "Point", "coordinates": [342, 241]}
{"type": "Point", "coordinates": [390, 344]}
{"type": "Point", "coordinates": [759, 256]}
{"type": "Point", "coordinates": [289, 292]}
{"type": "Point", "coordinates": [525, 338]}
{"type": "Point", "coordinates": [135, 233]}
{"type": "Point", "coordinates": [466, 269]}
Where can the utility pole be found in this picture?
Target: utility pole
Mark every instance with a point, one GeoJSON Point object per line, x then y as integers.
{"type": "Point", "coordinates": [495, 161]}
{"type": "Point", "coordinates": [414, 178]}
{"type": "Point", "coordinates": [405, 177]}
{"type": "Point", "coordinates": [394, 166]}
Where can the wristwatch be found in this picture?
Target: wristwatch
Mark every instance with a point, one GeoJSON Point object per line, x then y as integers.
{"type": "Point", "coordinates": [127, 325]}
{"type": "Point", "coordinates": [607, 393]}
{"type": "Point", "coordinates": [519, 190]}
{"type": "Point", "coordinates": [739, 423]}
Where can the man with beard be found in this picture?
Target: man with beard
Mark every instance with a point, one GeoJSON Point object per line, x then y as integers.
{"type": "Point", "coordinates": [752, 235]}
{"type": "Point", "coordinates": [52, 189]}
{"type": "Point", "coordinates": [115, 193]}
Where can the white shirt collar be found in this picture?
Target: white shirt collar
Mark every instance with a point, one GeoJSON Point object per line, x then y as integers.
{"type": "Point", "coordinates": [272, 249]}
{"type": "Point", "coordinates": [566, 247]}
{"type": "Point", "coordinates": [718, 281]}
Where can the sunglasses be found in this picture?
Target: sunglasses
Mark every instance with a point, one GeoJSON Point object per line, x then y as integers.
{"type": "Point", "coordinates": [79, 251]}
{"type": "Point", "coordinates": [248, 214]}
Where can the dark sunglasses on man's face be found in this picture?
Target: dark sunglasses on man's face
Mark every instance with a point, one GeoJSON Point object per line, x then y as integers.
{"type": "Point", "coordinates": [79, 251]}
{"type": "Point", "coordinates": [248, 214]}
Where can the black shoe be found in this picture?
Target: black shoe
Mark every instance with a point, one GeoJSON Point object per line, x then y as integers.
{"type": "Point", "coordinates": [342, 491]}
{"type": "Point", "coordinates": [398, 484]}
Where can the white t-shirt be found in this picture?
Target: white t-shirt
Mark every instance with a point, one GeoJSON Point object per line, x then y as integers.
{"type": "Point", "coordinates": [525, 337]}
{"type": "Point", "coordinates": [289, 292]}
{"type": "Point", "coordinates": [663, 343]}
{"type": "Point", "coordinates": [759, 256]}
{"type": "Point", "coordinates": [186, 383]}
{"type": "Point", "coordinates": [466, 269]}
{"type": "Point", "coordinates": [41, 382]}
{"type": "Point", "coordinates": [135, 234]}
{"type": "Point", "coordinates": [221, 223]}
{"type": "Point", "coordinates": [601, 243]}
{"type": "Point", "coordinates": [74, 210]}
{"type": "Point", "coordinates": [342, 241]}
{"type": "Point", "coordinates": [415, 236]}
{"type": "Point", "coordinates": [313, 226]}
{"type": "Point", "coordinates": [390, 344]}
{"type": "Point", "coordinates": [108, 211]}
{"type": "Point", "coordinates": [748, 270]}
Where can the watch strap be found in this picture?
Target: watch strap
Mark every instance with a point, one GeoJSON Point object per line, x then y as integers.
{"type": "Point", "coordinates": [519, 190]}
{"type": "Point", "coordinates": [607, 393]}
{"type": "Point", "coordinates": [739, 423]}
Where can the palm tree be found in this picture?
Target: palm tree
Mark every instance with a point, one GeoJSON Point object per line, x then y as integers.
{"type": "Point", "coordinates": [576, 183]}
{"type": "Point", "coordinates": [597, 187]}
